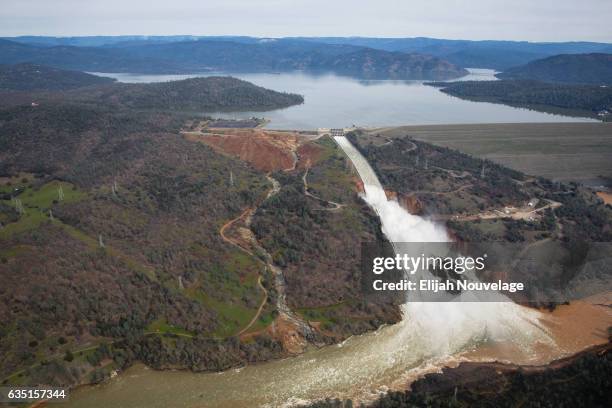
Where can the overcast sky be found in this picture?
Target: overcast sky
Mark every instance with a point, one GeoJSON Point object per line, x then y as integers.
{"type": "Point", "coordinates": [535, 20]}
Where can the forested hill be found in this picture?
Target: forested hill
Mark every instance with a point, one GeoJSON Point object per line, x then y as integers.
{"type": "Point", "coordinates": [29, 77]}
{"type": "Point", "coordinates": [577, 100]}
{"type": "Point", "coordinates": [194, 94]}
{"type": "Point", "coordinates": [593, 69]}
{"type": "Point", "coordinates": [233, 56]}
{"type": "Point", "coordinates": [116, 214]}
{"type": "Point", "coordinates": [210, 94]}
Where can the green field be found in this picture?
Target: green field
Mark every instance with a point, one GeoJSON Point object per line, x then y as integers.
{"type": "Point", "coordinates": [560, 151]}
{"type": "Point", "coordinates": [37, 202]}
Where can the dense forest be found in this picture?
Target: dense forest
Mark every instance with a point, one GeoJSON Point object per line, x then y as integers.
{"type": "Point", "coordinates": [32, 77]}
{"type": "Point", "coordinates": [109, 231]}
{"type": "Point", "coordinates": [318, 246]}
{"type": "Point", "coordinates": [578, 100]}
{"type": "Point", "coordinates": [191, 95]}
{"type": "Point", "coordinates": [195, 95]}
{"type": "Point", "coordinates": [593, 69]}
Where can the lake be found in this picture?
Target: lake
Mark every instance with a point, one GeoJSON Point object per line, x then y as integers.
{"type": "Point", "coordinates": [336, 101]}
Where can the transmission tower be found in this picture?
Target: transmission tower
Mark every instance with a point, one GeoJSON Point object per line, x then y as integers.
{"type": "Point", "coordinates": [19, 206]}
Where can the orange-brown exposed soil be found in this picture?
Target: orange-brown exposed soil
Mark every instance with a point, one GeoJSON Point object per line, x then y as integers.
{"type": "Point", "coordinates": [309, 154]}
{"type": "Point", "coordinates": [391, 195]}
{"type": "Point", "coordinates": [289, 335]}
{"type": "Point", "coordinates": [359, 185]}
{"type": "Point", "coordinates": [285, 331]}
{"type": "Point", "coordinates": [606, 197]}
{"type": "Point", "coordinates": [410, 202]}
{"type": "Point", "coordinates": [266, 150]}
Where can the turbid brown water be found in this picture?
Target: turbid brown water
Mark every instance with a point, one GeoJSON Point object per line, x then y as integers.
{"type": "Point", "coordinates": [360, 367]}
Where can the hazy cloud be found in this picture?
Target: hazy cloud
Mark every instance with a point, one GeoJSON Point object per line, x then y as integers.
{"type": "Point", "coordinates": [536, 20]}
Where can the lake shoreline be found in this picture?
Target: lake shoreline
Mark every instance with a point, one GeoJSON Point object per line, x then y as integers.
{"type": "Point", "coordinates": [335, 101]}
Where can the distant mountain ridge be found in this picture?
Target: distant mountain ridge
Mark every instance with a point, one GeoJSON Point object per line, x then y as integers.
{"type": "Point", "coordinates": [493, 54]}
{"type": "Point", "coordinates": [594, 69]}
{"type": "Point", "coordinates": [33, 77]}
{"type": "Point", "coordinates": [379, 64]}
{"type": "Point", "coordinates": [234, 56]}
{"type": "Point", "coordinates": [80, 58]}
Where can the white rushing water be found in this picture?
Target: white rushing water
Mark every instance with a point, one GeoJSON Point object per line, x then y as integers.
{"type": "Point", "coordinates": [428, 335]}
{"type": "Point", "coordinates": [444, 327]}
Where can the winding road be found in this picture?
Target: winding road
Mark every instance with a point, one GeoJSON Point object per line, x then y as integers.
{"type": "Point", "coordinates": [246, 214]}
{"type": "Point", "coordinates": [336, 206]}
{"type": "Point", "coordinates": [284, 310]}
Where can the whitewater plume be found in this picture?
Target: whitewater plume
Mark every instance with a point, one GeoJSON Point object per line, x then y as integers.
{"type": "Point", "coordinates": [398, 224]}
{"type": "Point", "coordinates": [443, 327]}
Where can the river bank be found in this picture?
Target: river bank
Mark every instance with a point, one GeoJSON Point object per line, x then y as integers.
{"type": "Point", "coordinates": [582, 379]}
{"type": "Point", "coordinates": [359, 368]}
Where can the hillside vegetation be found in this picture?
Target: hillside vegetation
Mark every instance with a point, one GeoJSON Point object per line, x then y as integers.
{"type": "Point", "coordinates": [446, 182]}
{"type": "Point", "coordinates": [481, 201]}
{"type": "Point", "coordinates": [210, 94]}
{"type": "Point", "coordinates": [571, 99]}
{"type": "Point", "coordinates": [595, 69]}
{"type": "Point", "coordinates": [110, 248]}
{"type": "Point", "coordinates": [33, 77]}
{"type": "Point", "coordinates": [318, 245]}
{"type": "Point", "coordinates": [194, 94]}
{"type": "Point", "coordinates": [532, 148]}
